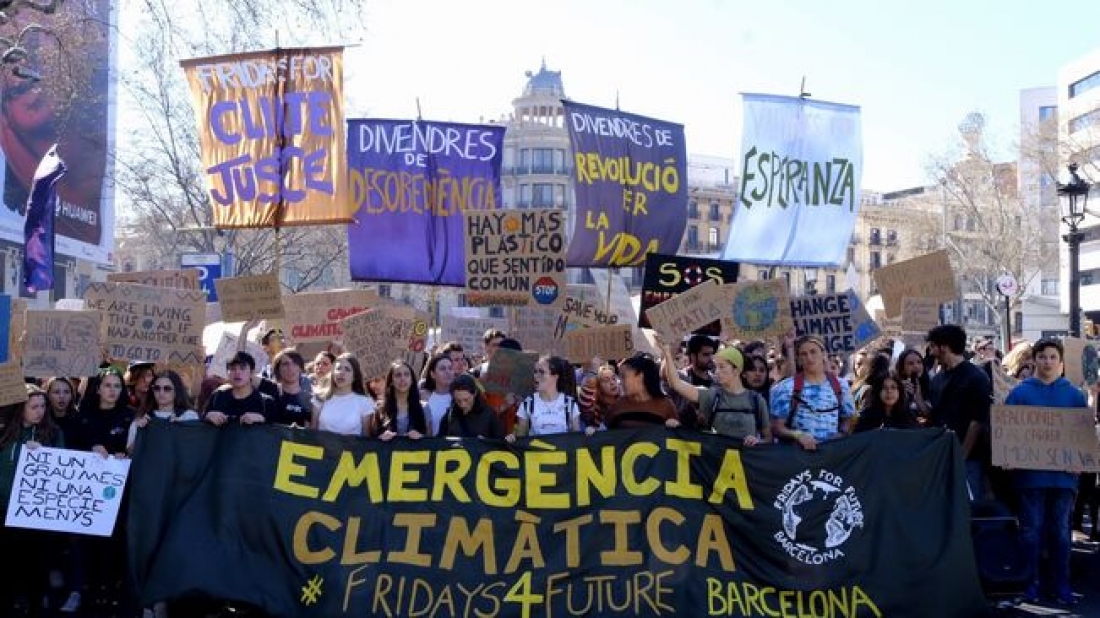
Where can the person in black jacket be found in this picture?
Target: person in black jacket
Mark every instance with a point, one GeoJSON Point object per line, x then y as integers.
{"type": "Point", "coordinates": [468, 415]}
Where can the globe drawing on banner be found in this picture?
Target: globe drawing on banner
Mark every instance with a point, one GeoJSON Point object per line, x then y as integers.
{"type": "Point", "coordinates": [755, 309]}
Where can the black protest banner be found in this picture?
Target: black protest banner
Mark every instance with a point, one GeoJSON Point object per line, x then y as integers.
{"type": "Point", "coordinates": [670, 275]}
{"type": "Point", "coordinates": [640, 522]}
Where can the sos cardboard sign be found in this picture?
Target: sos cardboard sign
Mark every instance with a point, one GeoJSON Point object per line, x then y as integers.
{"type": "Point", "coordinates": [667, 276]}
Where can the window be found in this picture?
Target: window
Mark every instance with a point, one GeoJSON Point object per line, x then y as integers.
{"type": "Point", "coordinates": [385, 290]}
{"type": "Point", "coordinates": [762, 274]}
{"type": "Point", "coordinates": [891, 237]}
{"type": "Point", "coordinates": [496, 311]}
{"type": "Point", "coordinates": [876, 236]}
{"type": "Point", "coordinates": [970, 224]}
{"type": "Point", "coordinates": [693, 209]}
{"type": "Point", "coordinates": [712, 239]}
{"type": "Point", "coordinates": [524, 196]}
{"type": "Point", "coordinates": [1082, 86]}
{"type": "Point", "coordinates": [542, 160]}
{"type": "Point", "coordinates": [876, 260]}
{"type": "Point", "coordinates": [959, 222]}
{"type": "Point", "coordinates": [1046, 112]}
{"type": "Point", "coordinates": [715, 215]}
{"type": "Point", "coordinates": [542, 195]}
{"type": "Point", "coordinates": [830, 284]}
{"type": "Point", "coordinates": [693, 238]}
{"type": "Point", "coordinates": [525, 159]}
{"type": "Point", "coordinates": [1084, 121]}
{"type": "Point", "coordinates": [559, 161]}
{"type": "Point", "coordinates": [1018, 322]}
{"type": "Point", "coordinates": [1049, 287]}
{"type": "Point", "coordinates": [851, 255]}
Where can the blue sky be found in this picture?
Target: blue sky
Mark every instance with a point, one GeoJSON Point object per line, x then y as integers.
{"type": "Point", "coordinates": [915, 68]}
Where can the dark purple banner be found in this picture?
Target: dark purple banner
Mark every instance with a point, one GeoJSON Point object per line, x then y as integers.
{"type": "Point", "coordinates": [411, 181]}
{"type": "Point", "coordinates": [631, 182]}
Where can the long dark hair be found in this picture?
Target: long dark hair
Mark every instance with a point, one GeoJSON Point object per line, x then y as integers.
{"type": "Point", "coordinates": [89, 402]}
{"type": "Point", "coordinates": [46, 432]}
{"type": "Point", "coordinates": [567, 378]}
{"type": "Point", "coordinates": [72, 395]}
{"type": "Point", "coordinates": [388, 410]}
{"type": "Point", "coordinates": [875, 413]}
{"type": "Point", "coordinates": [922, 381]}
{"type": "Point", "coordinates": [766, 388]}
{"type": "Point", "coordinates": [181, 400]}
{"type": "Point", "coordinates": [429, 369]}
{"type": "Point", "coordinates": [466, 383]}
{"type": "Point", "coordinates": [651, 374]}
{"type": "Point", "coordinates": [356, 377]}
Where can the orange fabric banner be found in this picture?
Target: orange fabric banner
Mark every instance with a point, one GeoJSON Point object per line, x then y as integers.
{"type": "Point", "coordinates": [271, 126]}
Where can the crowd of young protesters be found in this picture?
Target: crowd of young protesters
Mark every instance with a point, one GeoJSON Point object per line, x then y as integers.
{"type": "Point", "coordinates": [790, 392]}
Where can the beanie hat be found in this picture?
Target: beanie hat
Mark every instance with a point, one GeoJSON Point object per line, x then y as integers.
{"type": "Point", "coordinates": [732, 356]}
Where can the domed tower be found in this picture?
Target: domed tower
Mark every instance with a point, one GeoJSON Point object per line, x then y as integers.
{"type": "Point", "coordinates": [537, 164]}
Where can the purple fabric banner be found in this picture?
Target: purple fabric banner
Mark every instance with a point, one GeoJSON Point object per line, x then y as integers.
{"type": "Point", "coordinates": [38, 232]}
{"type": "Point", "coordinates": [410, 183]}
{"type": "Point", "coordinates": [631, 181]}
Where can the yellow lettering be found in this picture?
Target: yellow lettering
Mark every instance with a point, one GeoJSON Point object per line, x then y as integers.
{"type": "Point", "coordinates": [527, 543]}
{"type": "Point", "coordinates": [629, 460]}
{"type": "Point", "coordinates": [732, 476]}
{"type": "Point", "coordinates": [572, 528]}
{"type": "Point", "coordinates": [302, 552]}
{"type": "Point", "coordinates": [459, 536]}
{"type": "Point", "coordinates": [287, 468]}
{"type": "Point", "coordinates": [349, 554]}
{"type": "Point", "coordinates": [401, 476]}
{"type": "Point", "coordinates": [590, 475]}
{"type": "Point", "coordinates": [620, 554]}
{"type": "Point", "coordinates": [450, 479]}
{"type": "Point", "coordinates": [537, 481]}
{"type": "Point", "coordinates": [712, 537]}
{"type": "Point", "coordinates": [349, 473]}
{"type": "Point", "coordinates": [486, 491]}
{"type": "Point", "coordinates": [413, 523]}
{"type": "Point", "coordinates": [661, 514]}
{"type": "Point", "coordinates": [682, 487]}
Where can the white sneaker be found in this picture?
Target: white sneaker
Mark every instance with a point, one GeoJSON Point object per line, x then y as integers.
{"type": "Point", "coordinates": [72, 604]}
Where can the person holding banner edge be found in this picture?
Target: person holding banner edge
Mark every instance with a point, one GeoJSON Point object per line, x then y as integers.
{"type": "Point", "coordinates": [812, 406]}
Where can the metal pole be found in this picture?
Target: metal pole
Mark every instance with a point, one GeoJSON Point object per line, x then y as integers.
{"type": "Point", "coordinates": [1008, 325]}
{"type": "Point", "coordinates": [1074, 240]}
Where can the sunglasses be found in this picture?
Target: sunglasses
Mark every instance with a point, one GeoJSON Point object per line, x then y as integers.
{"type": "Point", "coordinates": [163, 389]}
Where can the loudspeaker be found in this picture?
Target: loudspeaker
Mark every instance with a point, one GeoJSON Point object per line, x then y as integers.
{"type": "Point", "coordinates": [999, 550]}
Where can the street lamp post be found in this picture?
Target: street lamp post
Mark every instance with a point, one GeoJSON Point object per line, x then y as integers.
{"type": "Point", "coordinates": [1076, 192]}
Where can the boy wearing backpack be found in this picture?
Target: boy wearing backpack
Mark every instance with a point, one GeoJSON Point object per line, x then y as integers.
{"type": "Point", "coordinates": [813, 405]}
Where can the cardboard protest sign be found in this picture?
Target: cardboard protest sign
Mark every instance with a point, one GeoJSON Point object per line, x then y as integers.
{"type": "Point", "coordinates": [840, 320]}
{"type": "Point", "coordinates": [1081, 361]}
{"type": "Point", "coordinates": [757, 310]}
{"type": "Point", "coordinates": [469, 331]}
{"type": "Point", "coordinates": [18, 321]}
{"type": "Point", "coordinates": [929, 276]}
{"type": "Point", "coordinates": [919, 315]}
{"type": "Point", "coordinates": [67, 491]}
{"type": "Point", "coordinates": [577, 313]}
{"type": "Point", "coordinates": [621, 304]}
{"type": "Point", "coordinates": [416, 360]}
{"type": "Point", "coordinates": [534, 327]}
{"type": "Point", "coordinates": [227, 347]}
{"type": "Point", "coordinates": [13, 389]}
{"type": "Point", "coordinates": [686, 312]}
{"type": "Point", "coordinates": [250, 298]}
{"type": "Point", "coordinates": [62, 343]}
{"type": "Point", "coordinates": [315, 316]}
{"type": "Point", "coordinates": [669, 275]}
{"type": "Point", "coordinates": [511, 371]}
{"type": "Point", "coordinates": [187, 278]}
{"type": "Point", "coordinates": [1040, 438]}
{"type": "Point", "coordinates": [515, 257]}
{"type": "Point", "coordinates": [607, 342]}
{"type": "Point", "coordinates": [362, 337]}
{"type": "Point", "coordinates": [890, 327]}
{"type": "Point", "coordinates": [146, 323]}
{"type": "Point", "coordinates": [405, 327]}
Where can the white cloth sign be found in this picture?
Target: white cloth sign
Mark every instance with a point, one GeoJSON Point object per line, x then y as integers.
{"type": "Point", "coordinates": [801, 166]}
{"type": "Point", "coordinates": [66, 491]}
